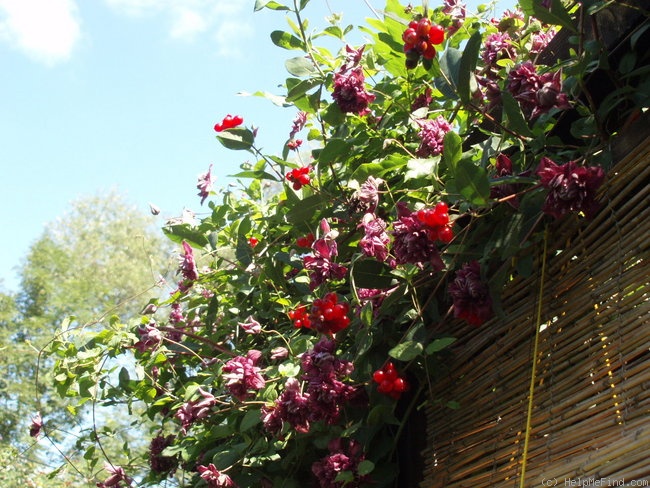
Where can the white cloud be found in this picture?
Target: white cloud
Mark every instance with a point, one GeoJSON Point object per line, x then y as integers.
{"type": "Point", "coordinates": [45, 30]}
{"type": "Point", "coordinates": [190, 18]}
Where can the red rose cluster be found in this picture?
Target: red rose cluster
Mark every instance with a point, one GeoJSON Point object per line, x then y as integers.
{"type": "Point", "coordinates": [436, 222]}
{"type": "Point", "coordinates": [229, 122]}
{"type": "Point", "coordinates": [299, 177]}
{"type": "Point", "coordinates": [420, 39]}
{"type": "Point", "coordinates": [328, 316]}
{"type": "Point", "coordinates": [389, 381]}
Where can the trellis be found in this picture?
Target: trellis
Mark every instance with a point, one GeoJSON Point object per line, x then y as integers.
{"type": "Point", "coordinates": [591, 402]}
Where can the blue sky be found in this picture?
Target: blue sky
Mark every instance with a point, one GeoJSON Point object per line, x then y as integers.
{"type": "Point", "coordinates": [123, 94]}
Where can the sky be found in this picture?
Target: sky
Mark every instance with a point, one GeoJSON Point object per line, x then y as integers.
{"type": "Point", "coordinates": [100, 95]}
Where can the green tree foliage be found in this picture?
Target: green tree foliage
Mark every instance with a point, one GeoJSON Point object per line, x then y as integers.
{"type": "Point", "coordinates": [103, 254]}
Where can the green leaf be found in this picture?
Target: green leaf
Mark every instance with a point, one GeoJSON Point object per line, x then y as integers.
{"type": "Point", "coordinates": [258, 175]}
{"type": "Point", "coordinates": [405, 351]}
{"type": "Point", "coordinates": [300, 66]}
{"type": "Point", "coordinates": [333, 149]}
{"type": "Point", "coordinates": [237, 139]}
{"type": "Point", "coordinates": [251, 419]}
{"type": "Point", "coordinates": [286, 40]}
{"type": "Point", "coordinates": [450, 62]}
{"type": "Point", "coordinates": [471, 182]}
{"type": "Point", "coordinates": [365, 467]}
{"type": "Point", "coordinates": [270, 4]}
{"type": "Point", "coordinates": [370, 273]}
{"type": "Point", "coordinates": [124, 378]}
{"type": "Point", "coordinates": [555, 15]}
{"type": "Point", "coordinates": [467, 66]}
{"type": "Point", "coordinates": [452, 148]}
{"type": "Point", "coordinates": [278, 100]}
{"type": "Point", "coordinates": [299, 90]}
{"type": "Point", "coordinates": [305, 210]}
{"type": "Point", "coordinates": [183, 232]}
{"type": "Point", "coordinates": [421, 168]}
{"type": "Point", "coordinates": [514, 118]}
{"type": "Point", "coordinates": [378, 168]}
{"type": "Point", "coordinates": [288, 370]}
{"type": "Point", "coordinates": [453, 404]}
{"type": "Point", "coordinates": [438, 345]}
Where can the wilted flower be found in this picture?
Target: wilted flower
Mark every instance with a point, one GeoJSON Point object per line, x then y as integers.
{"type": "Point", "coordinates": [540, 40]}
{"type": "Point", "coordinates": [572, 188]}
{"type": "Point", "coordinates": [204, 184]}
{"type": "Point", "coordinates": [251, 326]}
{"type": "Point", "coordinates": [242, 374]}
{"type": "Point", "coordinates": [471, 296]}
{"type": "Point", "coordinates": [349, 85]}
{"type": "Point", "coordinates": [214, 478]}
{"type": "Point", "coordinates": [432, 134]}
{"type": "Point", "coordinates": [457, 11]}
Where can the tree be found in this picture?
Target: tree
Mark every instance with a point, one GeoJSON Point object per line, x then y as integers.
{"type": "Point", "coordinates": [98, 256]}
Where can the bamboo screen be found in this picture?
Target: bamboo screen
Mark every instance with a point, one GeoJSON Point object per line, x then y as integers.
{"type": "Point", "coordinates": [591, 409]}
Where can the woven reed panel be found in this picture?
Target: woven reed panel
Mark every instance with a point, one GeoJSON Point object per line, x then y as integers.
{"type": "Point", "coordinates": [591, 409]}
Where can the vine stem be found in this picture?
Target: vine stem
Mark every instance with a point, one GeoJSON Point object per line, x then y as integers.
{"type": "Point", "coordinates": [199, 338]}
